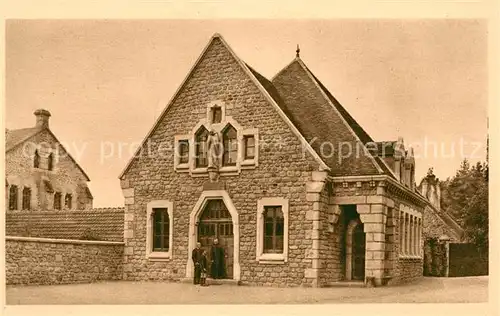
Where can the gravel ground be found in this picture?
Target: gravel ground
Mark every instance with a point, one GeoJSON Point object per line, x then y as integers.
{"type": "Point", "coordinates": [428, 290]}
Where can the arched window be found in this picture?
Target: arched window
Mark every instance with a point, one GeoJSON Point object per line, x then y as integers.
{"type": "Point", "coordinates": [13, 197]}
{"type": "Point", "coordinates": [230, 146]}
{"type": "Point", "coordinates": [161, 227]}
{"type": "Point", "coordinates": [201, 148]}
{"type": "Point", "coordinates": [273, 229]}
{"type": "Point", "coordinates": [36, 160]}
{"type": "Point", "coordinates": [68, 201]}
{"type": "Point", "coordinates": [50, 163]}
{"type": "Point", "coordinates": [26, 198]}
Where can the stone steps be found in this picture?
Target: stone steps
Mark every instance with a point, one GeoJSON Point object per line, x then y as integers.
{"type": "Point", "coordinates": [346, 284]}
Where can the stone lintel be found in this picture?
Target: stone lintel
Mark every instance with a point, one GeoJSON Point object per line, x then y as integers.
{"type": "Point", "coordinates": [363, 209]}
{"type": "Point", "coordinates": [376, 199]}
{"type": "Point", "coordinates": [348, 199]}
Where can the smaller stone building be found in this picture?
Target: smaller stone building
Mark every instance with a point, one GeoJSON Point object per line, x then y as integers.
{"type": "Point", "coordinates": [40, 173]}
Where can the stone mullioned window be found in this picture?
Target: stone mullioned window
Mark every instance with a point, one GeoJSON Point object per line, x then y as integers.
{"type": "Point", "coordinates": [410, 233]}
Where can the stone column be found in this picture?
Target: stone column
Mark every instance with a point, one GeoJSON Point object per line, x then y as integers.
{"type": "Point", "coordinates": [313, 195]}
{"type": "Point", "coordinates": [374, 218]}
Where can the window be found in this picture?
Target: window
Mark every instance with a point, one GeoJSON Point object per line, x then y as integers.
{"type": "Point", "coordinates": [249, 144]}
{"type": "Point", "coordinates": [201, 148]}
{"type": "Point", "coordinates": [50, 162]}
{"type": "Point", "coordinates": [57, 201]}
{"type": "Point", "coordinates": [273, 229]}
{"type": "Point", "coordinates": [26, 198]}
{"type": "Point", "coordinates": [68, 201]}
{"type": "Point", "coordinates": [183, 151]}
{"type": "Point", "coordinates": [230, 146]}
{"type": "Point", "coordinates": [161, 229]}
{"type": "Point", "coordinates": [401, 232]}
{"type": "Point", "coordinates": [216, 114]}
{"type": "Point", "coordinates": [36, 160]}
{"type": "Point", "coordinates": [13, 197]}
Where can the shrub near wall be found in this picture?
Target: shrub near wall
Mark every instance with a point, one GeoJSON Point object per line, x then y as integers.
{"type": "Point", "coordinates": [35, 261]}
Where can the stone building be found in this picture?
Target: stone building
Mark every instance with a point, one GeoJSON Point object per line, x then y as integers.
{"type": "Point", "coordinates": [295, 190]}
{"type": "Point", "coordinates": [40, 173]}
{"type": "Point", "coordinates": [438, 223]}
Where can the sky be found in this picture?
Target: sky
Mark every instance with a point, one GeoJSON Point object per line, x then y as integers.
{"type": "Point", "coordinates": [105, 82]}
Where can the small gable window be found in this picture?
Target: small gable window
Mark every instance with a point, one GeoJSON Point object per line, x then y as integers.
{"type": "Point", "coordinates": [57, 201]}
{"type": "Point", "coordinates": [13, 197]}
{"type": "Point", "coordinates": [161, 227]}
{"type": "Point", "coordinates": [201, 148]}
{"type": "Point", "coordinates": [183, 151]}
{"type": "Point", "coordinates": [249, 145]}
{"type": "Point", "coordinates": [50, 162]}
{"type": "Point", "coordinates": [216, 114]}
{"type": "Point", "coordinates": [230, 146]}
{"type": "Point", "coordinates": [26, 198]}
{"type": "Point", "coordinates": [68, 201]}
{"type": "Point", "coordinates": [36, 160]}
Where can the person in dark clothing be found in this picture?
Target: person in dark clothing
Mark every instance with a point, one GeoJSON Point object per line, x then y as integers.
{"type": "Point", "coordinates": [203, 268]}
{"type": "Point", "coordinates": [196, 256]}
{"type": "Point", "coordinates": [217, 261]}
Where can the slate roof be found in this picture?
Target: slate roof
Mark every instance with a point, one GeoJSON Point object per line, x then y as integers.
{"type": "Point", "coordinates": [102, 223]}
{"type": "Point", "coordinates": [18, 136]}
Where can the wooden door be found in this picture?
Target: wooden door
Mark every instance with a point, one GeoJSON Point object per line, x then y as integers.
{"type": "Point", "coordinates": [216, 222]}
{"type": "Point", "coordinates": [358, 253]}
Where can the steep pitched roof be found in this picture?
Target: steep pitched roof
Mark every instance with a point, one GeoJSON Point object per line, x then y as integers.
{"type": "Point", "coordinates": [264, 85]}
{"type": "Point", "coordinates": [16, 137]}
{"type": "Point", "coordinates": [323, 120]}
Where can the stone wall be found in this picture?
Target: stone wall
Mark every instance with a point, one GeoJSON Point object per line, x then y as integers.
{"type": "Point", "coordinates": [410, 270]}
{"type": "Point", "coordinates": [283, 171]}
{"type": "Point", "coordinates": [31, 261]}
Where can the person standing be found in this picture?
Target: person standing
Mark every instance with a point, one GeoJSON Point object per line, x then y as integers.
{"type": "Point", "coordinates": [196, 256]}
{"type": "Point", "coordinates": [203, 268]}
{"type": "Point", "coordinates": [217, 260]}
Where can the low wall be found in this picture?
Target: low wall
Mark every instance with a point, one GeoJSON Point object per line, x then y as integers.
{"type": "Point", "coordinates": [30, 261]}
{"type": "Point", "coordinates": [409, 270]}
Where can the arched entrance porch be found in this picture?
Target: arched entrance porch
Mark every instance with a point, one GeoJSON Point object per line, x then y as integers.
{"type": "Point", "coordinates": [229, 233]}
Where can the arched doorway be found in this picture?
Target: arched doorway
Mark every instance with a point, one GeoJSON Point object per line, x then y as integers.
{"type": "Point", "coordinates": [216, 222]}
{"type": "Point", "coordinates": [355, 251]}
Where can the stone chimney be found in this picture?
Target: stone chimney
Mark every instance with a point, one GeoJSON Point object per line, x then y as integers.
{"type": "Point", "coordinates": [42, 118]}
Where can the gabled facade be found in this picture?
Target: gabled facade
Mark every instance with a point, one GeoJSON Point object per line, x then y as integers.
{"type": "Point", "coordinates": [241, 158]}
{"type": "Point", "coordinates": [40, 173]}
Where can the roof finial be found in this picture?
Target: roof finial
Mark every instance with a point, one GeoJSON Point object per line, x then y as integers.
{"type": "Point", "coordinates": [298, 51]}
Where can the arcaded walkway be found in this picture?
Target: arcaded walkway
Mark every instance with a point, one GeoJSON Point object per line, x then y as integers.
{"type": "Point", "coordinates": [429, 290]}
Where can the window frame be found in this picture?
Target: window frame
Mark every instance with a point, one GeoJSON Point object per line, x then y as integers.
{"type": "Point", "coordinates": [274, 236]}
{"type": "Point", "coordinates": [227, 143]}
{"type": "Point", "coordinates": [197, 146]}
{"type": "Point", "coordinates": [245, 147]}
{"type": "Point", "coordinates": [36, 160]}
{"type": "Point", "coordinates": [68, 197]}
{"type": "Point", "coordinates": [57, 195]}
{"type": "Point", "coordinates": [265, 257]}
{"type": "Point", "coordinates": [13, 201]}
{"type": "Point", "coordinates": [151, 254]}
{"type": "Point", "coordinates": [50, 162]}
{"type": "Point", "coordinates": [26, 199]}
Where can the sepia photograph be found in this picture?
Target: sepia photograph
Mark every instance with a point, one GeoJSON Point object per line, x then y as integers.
{"type": "Point", "coordinates": [246, 161]}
